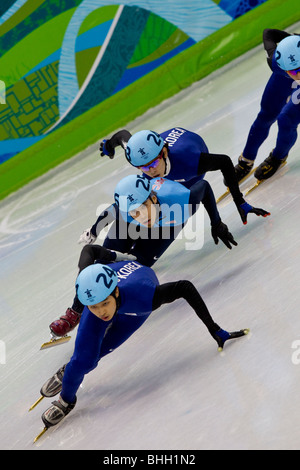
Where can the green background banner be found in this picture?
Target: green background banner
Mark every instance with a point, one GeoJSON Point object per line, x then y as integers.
{"type": "Point", "coordinates": [146, 73]}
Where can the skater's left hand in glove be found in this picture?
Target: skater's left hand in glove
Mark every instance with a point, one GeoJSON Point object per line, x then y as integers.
{"type": "Point", "coordinates": [106, 149]}
{"type": "Point", "coordinates": [221, 336]}
{"type": "Point", "coordinates": [220, 231]}
{"type": "Point", "coordinates": [245, 209]}
{"type": "Point", "coordinates": [87, 237]}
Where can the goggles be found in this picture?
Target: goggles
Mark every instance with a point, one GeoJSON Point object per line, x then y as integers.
{"type": "Point", "coordinates": [153, 164]}
{"type": "Point", "coordinates": [294, 72]}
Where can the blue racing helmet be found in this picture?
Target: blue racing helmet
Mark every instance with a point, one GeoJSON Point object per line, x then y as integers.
{"type": "Point", "coordinates": [143, 147]}
{"type": "Point", "coordinates": [131, 192]}
{"type": "Point", "coordinates": [95, 283]}
{"type": "Point", "coordinates": [287, 54]}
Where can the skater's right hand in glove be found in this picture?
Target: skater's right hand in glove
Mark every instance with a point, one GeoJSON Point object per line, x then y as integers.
{"type": "Point", "coordinates": [87, 237]}
{"type": "Point", "coordinates": [245, 209]}
{"type": "Point", "coordinates": [106, 149]}
{"type": "Point", "coordinates": [220, 231]}
{"type": "Point", "coordinates": [124, 256]}
{"type": "Point", "coordinates": [57, 411]}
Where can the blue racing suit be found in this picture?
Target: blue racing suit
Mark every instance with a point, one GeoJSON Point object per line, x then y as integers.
{"type": "Point", "coordinates": [279, 102]}
{"type": "Point", "coordinates": [96, 338]}
{"type": "Point", "coordinates": [139, 294]}
{"type": "Point", "coordinates": [150, 243]}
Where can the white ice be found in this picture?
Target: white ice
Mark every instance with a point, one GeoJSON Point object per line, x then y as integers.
{"type": "Point", "coordinates": [167, 387]}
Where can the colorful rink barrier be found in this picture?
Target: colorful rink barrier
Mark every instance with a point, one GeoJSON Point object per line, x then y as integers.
{"type": "Point", "coordinates": [72, 72]}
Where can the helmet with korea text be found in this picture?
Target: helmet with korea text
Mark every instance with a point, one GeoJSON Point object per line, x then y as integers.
{"type": "Point", "coordinates": [131, 192]}
{"type": "Point", "coordinates": [287, 54]}
{"type": "Point", "coordinates": [95, 283]}
{"type": "Point", "coordinates": [143, 147]}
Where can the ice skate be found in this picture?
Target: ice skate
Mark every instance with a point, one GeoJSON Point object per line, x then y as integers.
{"type": "Point", "coordinates": [56, 412]}
{"type": "Point", "coordinates": [243, 168]}
{"type": "Point", "coordinates": [60, 328]}
{"type": "Point", "coordinates": [51, 387]}
{"type": "Point", "coordinates": [54, 415]}
{"type": "Point", "coordinates": [65, 323]}
{"type": "Point", "coordinates": [268, 167]}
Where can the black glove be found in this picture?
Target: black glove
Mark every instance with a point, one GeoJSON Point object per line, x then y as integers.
{"type": "Point", "coordinates": [221, 336]}
{"type": "Point", "coordinates": [245, 209]}
{"type": "Point", "coordinates": [57, 412]}
{"type": "Point", "coordinates": [106, 149]}
{"type": "Point", "coordinates": [220, 231]}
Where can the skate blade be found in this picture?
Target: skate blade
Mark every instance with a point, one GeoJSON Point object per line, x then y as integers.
{"type": "Point", "coordinates": [40, 434]}
{"type": "Point", "coordinates": [253, 187]}
{"type": "Point", "coordinates": [227, 192]}
{"type": "Point", "coordinates": [223, 196]}
{"type": "Point", "coordinates": [258, 182]}
{"type": "Point", "coordinates": [36, 403]}
{"type": "Point", "coordinates": [55, 342]}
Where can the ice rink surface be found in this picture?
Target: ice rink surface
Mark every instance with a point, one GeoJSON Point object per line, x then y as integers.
{"type": "Point", "coordinates": [167, 387]}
